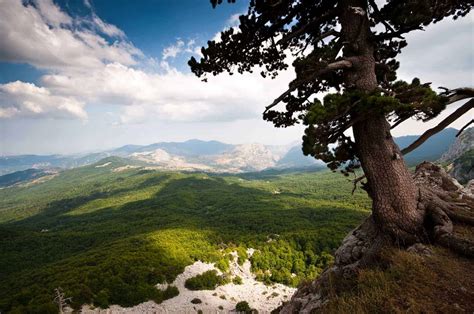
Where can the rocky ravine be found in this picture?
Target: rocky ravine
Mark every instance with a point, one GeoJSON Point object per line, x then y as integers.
{"type": "Point", "coordinates": [221, 300]}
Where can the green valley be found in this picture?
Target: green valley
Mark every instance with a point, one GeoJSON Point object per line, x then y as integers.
{"type": "Point", "coordinates": [107, 233]}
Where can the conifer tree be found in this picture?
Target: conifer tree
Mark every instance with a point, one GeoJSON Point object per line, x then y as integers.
{"type": "Point", "coordinates": [348, 49]}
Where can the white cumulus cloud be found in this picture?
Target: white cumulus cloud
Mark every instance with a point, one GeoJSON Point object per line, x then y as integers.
{"type": "Point", "coordinates": [172, 95]}
{"type": "Point", "coordinates": [46, 37]}
{"type": "Point", "coordinates": [20, 99]}
{"type": "Point", "coordinates": [83, 67]}
{"type": "Point", "coordinates": [180, 47]}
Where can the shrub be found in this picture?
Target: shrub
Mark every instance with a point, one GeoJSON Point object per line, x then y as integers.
{"type": "Point", "coordinates": [225, 279]}
{"type": "Point", "coordinates": [243, 306]}
{"type": "Point", "coordinates": [196, 301]}
{"type": "Point", "coordinates": [208, 280]}
{"type": "Point", "coordinates": [223, 264]}
{"type": "Point", "coordinates": [237, 280]}
{"type": "Point", "coordinates": [160, 296]}
{"type": "Point", "coordinates": [170, 292]}
{"type": "Point", "coordinates": [102, 299]}
{"type": "Point", "coordinates": [242, 255]}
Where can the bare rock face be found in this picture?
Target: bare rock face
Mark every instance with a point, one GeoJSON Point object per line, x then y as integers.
{"type": "Point", "coordinates": [250, 157]}
{"type": "Point", "coordinates": [462, 168]}
{"type": "Point", "coordinates": [164, 160]}
{"type": "Point", "coordinates": [355, 244]}
{"type": "Point", "coordinates": [460, 157]}
{"type": "Point", "coordinates": [469, 189]}
{"type": "Point", "coordinates": [464, 143]}
{"type": "Point", "coordinates": [435, 177]}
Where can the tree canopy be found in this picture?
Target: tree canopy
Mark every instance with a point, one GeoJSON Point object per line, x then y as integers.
{"type": "Point", "coordinates": [308, 34]}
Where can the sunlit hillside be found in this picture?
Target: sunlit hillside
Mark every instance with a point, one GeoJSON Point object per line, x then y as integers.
{"type": "Point", "coordinates": [108, 234]}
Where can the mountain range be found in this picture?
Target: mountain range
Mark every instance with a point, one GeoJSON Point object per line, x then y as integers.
{"type": "Point", "coordinates": [213, 156]}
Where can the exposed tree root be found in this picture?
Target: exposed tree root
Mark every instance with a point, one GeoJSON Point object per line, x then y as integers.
{"type": "Point", "coordinates": [443, 202]}
{"type": "Point", "coordinates": [457, 244]}
{"type": "Point", "coordinates": [442, 230]}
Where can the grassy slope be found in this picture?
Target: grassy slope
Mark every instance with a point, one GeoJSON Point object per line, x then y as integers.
{"type": "Point", "coordinates": [112, 235]}
{"type": "Point", "coordinates": [408, 283]}
{"type": "Point", "coordinates": [405, 282]}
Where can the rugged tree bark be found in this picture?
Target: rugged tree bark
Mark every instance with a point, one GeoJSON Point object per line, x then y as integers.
{"type": "Point", "coordinates": [390, 184]}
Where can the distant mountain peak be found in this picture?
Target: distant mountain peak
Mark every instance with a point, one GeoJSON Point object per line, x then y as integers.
{"type": "Point", "coordinates": [215, 156]}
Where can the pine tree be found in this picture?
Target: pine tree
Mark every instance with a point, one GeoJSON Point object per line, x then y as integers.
{"type": "Point", "coordinates": [350, 47]}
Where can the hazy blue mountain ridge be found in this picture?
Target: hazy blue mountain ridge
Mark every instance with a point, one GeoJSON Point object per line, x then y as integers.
{"type": "Point", "coordinates": [215, 156]}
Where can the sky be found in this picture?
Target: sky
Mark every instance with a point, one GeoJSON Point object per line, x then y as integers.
{"type": "Point", "coordinates": [89, 75]}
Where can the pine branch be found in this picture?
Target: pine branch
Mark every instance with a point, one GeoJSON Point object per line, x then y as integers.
{"type": "Point", "coordinates": [338, 65]}
{"type": "Point", "coordinates": [379, 16]}
{"type": "Point", "coordinates": [453, 96]}
{"type": "Point", "coordinates": [306, 27]}
{"type": "Point", "coordinates": [399, 121]}
{"type": "Point", "coordinates": [457, 93]}
{"type": "Point", "coordinates": [356, 181]}
{"type": "Point", "coordinates": [301, 30]}
{"type": "Point", "coordinates": [464, 127]}
{"type": "Point", "coordinates": [396, 34]}
{"type": "Point", "coordinates": [441, 126]}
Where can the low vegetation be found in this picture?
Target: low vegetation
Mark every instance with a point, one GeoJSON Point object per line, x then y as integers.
{"type": "Point", "coordinates": [243, 306]}
{"type": "Point", "coordinates": [109, 237]}
{"type": "Point", "coordinates": [406, 282]}
{"type": "Point", "coordinates": [208, 280]}
{"type": "Point", "coordinates": [237, 280]}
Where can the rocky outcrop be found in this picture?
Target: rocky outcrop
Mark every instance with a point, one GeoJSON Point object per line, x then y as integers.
{"type": "Point", "coordinates": [444, 201]}
{"type": "Point", "coordinates": [463, 143]}
{"type": "Point", "coordinates": [460, 157]}
{"type": "Point", "coordinates": [462, 168]}
{"type": "Point", "coordinates": [469, 189]}
{"type": "Point", "coordinates": [248, 157]}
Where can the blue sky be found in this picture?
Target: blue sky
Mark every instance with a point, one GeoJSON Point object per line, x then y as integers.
{"type": "Point", "coordinates": [151, 25]}
{"type": "Point", "coordinates": [78, 75]}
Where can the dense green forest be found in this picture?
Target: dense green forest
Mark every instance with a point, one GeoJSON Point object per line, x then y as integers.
{"type": "Point", "coordinates": [107, 237]}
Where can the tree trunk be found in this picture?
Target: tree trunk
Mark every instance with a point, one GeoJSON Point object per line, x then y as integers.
{"type": "Point", "coordinates": [391, 187]}
{"type": "Point", "coordinates": [390, 184]}
{"type": "Point", "coordinates": [402, 205]}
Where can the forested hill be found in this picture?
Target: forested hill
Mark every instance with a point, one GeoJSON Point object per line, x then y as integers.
{"type": "Point", "coordinates": [108, 233]}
